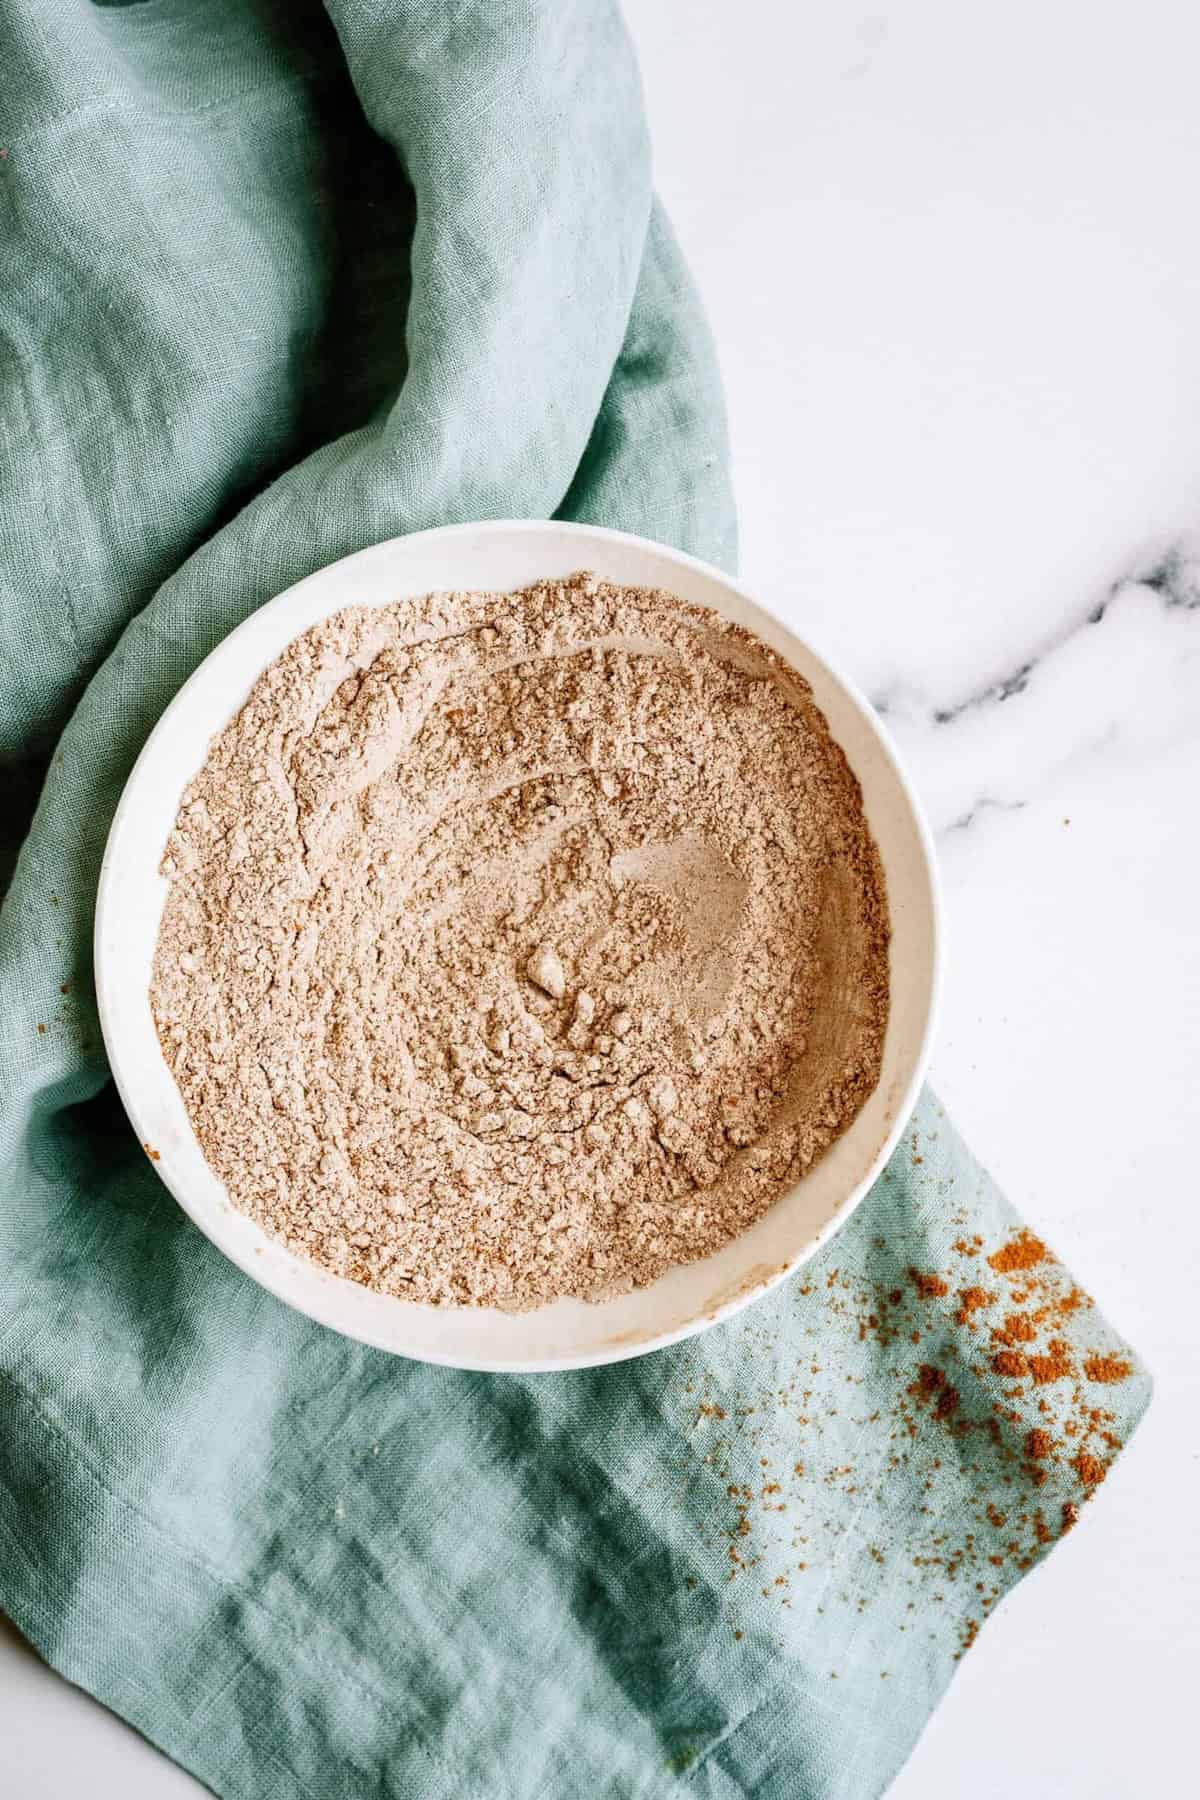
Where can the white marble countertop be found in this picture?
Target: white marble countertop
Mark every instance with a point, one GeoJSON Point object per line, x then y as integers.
{"type": "Point", "coordinates": [950, 260]}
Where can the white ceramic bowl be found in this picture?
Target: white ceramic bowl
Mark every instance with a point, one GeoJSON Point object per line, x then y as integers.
{"type": "Point", "coordinates": [570, 1333]}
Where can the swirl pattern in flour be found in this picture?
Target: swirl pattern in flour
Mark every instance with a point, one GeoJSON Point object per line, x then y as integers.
{"type": "Point", "coordinates": [521, 945]}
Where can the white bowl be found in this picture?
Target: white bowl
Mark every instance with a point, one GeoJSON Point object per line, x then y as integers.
{"type": "Point", "coordinates": [569, 1333]}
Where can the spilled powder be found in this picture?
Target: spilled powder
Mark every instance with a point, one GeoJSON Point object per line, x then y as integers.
{"type": "Point", "coordinates": [856, 1384]}
{"type": "Point", "coordinates": [521, 945]}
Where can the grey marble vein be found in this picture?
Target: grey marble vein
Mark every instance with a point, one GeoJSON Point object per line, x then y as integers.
{"type": "Point", "coordinates": [1173, 576]}
{"type": "Point", "coordinates": [985, 803]}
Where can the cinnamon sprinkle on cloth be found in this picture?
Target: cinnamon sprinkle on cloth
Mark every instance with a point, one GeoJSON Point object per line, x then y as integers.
{"type": "Point", "coordinates": [882, 1393]}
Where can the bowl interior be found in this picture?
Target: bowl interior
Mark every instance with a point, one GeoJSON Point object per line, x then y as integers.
{"type": "Point", "coordinates": [569, 1333]}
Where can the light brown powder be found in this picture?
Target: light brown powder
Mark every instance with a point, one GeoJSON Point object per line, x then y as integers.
{"type": "Point", "coordinates": [521, 945]}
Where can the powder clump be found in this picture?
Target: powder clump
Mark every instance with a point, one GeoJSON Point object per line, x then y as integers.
{"type": "Point", "coordinates": [521, 945]}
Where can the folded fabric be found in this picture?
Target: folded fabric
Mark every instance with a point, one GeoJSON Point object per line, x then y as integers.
{"type": "Point", "coordinates": [282, 282]}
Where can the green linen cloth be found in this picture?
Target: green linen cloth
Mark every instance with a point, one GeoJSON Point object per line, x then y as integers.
{"type": "Point", "coordinates": [279, 282]}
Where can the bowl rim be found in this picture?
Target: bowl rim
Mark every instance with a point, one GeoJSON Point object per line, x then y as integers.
{"type": "Point", "coordinates": [613, 1352]}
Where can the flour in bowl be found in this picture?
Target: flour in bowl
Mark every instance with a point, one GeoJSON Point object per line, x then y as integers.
{"type": "Point", "coordinates": [521, 945]}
